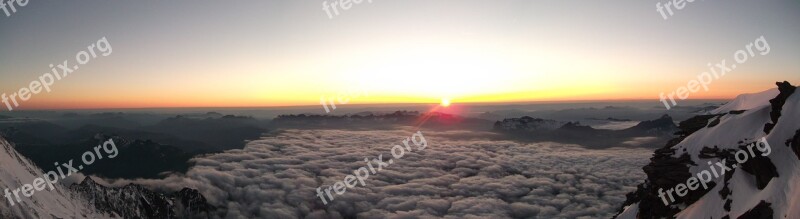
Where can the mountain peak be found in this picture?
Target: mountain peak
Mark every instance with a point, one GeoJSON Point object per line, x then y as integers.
{"type": "Point", "coordinates": [662, 125]}
{"type": "Point", "coordinates": [88, 181]}
{"type": "Point", "coordinates": [749, 133]}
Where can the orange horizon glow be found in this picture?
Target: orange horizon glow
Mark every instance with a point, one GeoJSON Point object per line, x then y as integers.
{"type": "Point", "coordinates": [465, 72]}
{"type": "Point", "coordinates": [90, 105]}
{"type": "Point", "coordinates": [285, 54]}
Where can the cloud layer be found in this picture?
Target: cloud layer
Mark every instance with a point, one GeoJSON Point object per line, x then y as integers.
{"type": "Point", "coordinates": [457, 176]}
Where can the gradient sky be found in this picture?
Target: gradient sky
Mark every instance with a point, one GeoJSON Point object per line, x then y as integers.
{"type": "Point", "coordinates": [278, 53]}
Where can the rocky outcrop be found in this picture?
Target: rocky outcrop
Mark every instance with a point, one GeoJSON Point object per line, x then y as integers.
{"type": "Point", "coordinates": [794, 143]}
{"type": "Point", "coordinates": [666, 171]}
{"type": "Point", "coordinates": [134, 201]}
{"type": "Point", "coordinates": [786, 90]}
{"type": "Point", "coordinates": [760, 167]}
{"type": "Point", "coordinates": [761, 211]}
{"type": "Point", "coordinates": [735, 128]}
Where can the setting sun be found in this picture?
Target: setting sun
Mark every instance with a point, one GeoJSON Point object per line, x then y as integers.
{"type": "Point", "coordinates": [445, 102]}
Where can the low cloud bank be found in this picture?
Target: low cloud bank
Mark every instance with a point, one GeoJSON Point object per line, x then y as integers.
{"type": "Point", "coordinates": [456, 176]}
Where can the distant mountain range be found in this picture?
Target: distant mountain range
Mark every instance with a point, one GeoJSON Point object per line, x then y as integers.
{"type": "Point", "coordinates": [145, 151]}
{"type": "Point", "coordinates": [646, 133]}
{"type": "Point", "coordinates": [368, 120]}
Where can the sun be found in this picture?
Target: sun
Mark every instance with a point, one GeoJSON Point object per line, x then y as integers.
{"type": "Point", "coordinates": [445, 102]}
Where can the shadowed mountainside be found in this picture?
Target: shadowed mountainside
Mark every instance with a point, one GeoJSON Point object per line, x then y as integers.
{"type": "Point", "coordinates": [144, 152]}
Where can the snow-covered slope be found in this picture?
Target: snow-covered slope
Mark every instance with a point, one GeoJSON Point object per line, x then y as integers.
{"type": "Point", "coordinates": [748, 101]}
{"type": "Point", "coordinates": [89, 199]}
{"type": "Point", "coordinates": [15, 171]}
{"type": "Point", "coordinates": [765, 186]}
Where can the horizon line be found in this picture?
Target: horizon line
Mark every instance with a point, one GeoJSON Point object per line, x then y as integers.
{"type": "Point", "coordinates": [363, 104]}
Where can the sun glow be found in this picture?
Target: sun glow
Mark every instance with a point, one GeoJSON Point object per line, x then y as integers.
{"type": "Point", "coordinates": [445, 102]}
{"type": "Point", "coordinates": [467, 71]}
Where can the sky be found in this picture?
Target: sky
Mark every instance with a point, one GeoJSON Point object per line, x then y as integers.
{"type": "Point", "coordinates": [290, 53]}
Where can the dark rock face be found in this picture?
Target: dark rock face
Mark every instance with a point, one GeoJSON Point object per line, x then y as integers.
{"type": "Point", "coordinates": [761, 211]}
{"type": "Point", "coordinates": [725, 193]}
{"type": "Point", "coordinates": [736, 112]}
{"type": "Point", "coordinates": [689, 126]}
{"type": "Point", "coordinates": [665, 171]}
{"type": "Point", "coordinates": [794, 143]}
{"type": "Point", "coordinates": [134, 201]}
{"type": "Point", "coordinates": [715, 152]}
{"type": "Point", "coordinates": [728, 157]}
{"type": "Point", "coordinates": [189, 202]}
{"type": "Point", "coordinates": [716, 121]}
{"type": "Point", "coordinates": [760, 167]}
{"type": "Point", "coordinates": [786, 90]}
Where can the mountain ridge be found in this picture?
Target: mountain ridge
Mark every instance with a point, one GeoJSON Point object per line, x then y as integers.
{"type": "Point", "coordinates": [534, 129]}
{"type": "Point", "coordinates": [89, 199]}
{"type": "Point", "coordinates": [762, 186]}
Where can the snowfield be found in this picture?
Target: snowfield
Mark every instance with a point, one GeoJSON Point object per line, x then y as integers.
{"type": "Point", "coordinates": [59, 203]}
{"type": "Point", "coordinates": [736, 194]}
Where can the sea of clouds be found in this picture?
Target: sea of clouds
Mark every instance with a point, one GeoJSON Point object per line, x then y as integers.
{"type": "Point", "coordinates": [457, 176]}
